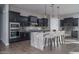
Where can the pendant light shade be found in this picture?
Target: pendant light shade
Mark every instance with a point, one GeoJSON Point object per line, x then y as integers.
{"type": "Point", "coordinates": [58, 12]}
{"type": "Point", "coordinates": [45, 16]}
{"type": "Point", "coordinates": [52, 10]}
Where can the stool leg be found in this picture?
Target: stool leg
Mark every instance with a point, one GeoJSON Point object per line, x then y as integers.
{"type": "Point", "coordinates": [57, 41]}
{"type": "Point", "coordinates": [50, 43]}
{"type": "Point", "coordinates": [63, 40]}
{"type": "Point", "coordinates": [54, 42]}
{"type": "Point", "coordinates": [46, 42]}
{"type": "Point", "coordinates": [60, 40]}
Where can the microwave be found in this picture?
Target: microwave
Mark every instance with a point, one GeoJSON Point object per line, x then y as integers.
{"type": "Point", "coordinates": [14, 25]}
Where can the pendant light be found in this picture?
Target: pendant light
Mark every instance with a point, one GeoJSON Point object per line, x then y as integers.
{"type": "Point", "coordinates": [55, 14]}
{"type": "Point", "coordinates": [52, 9]}
{"type": "Point", "coordinates": [58, 12]}
{"type": "Point", "coordinates": [45, 16]}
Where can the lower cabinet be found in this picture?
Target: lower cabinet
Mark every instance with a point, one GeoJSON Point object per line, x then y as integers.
{"type": "Point", "coordinates": [74, 34]}
{"type": "Point", "coordinates": [23, 36]}
{"type": "Point", "coordinates": [14, 40]}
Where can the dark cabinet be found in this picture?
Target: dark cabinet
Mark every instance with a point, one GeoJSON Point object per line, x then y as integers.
{"type": "Point", "coordinates": [61, 23]}
{"type": "Point", "coordinates": [25, 35]}
{"type": "Point", "coordinates": [43, 22]}
{"type": "Point", "coordinates": [23, 21]}
{"type": "Point", "coordinates": [13, 16]}
{"type": "Point", "coordinates": [69, 22]}
{"type": "Point", "coordinates": [32, 20]}
{"type": "Point", "coordinates": [40, 22]}
{"type": "Point", "coordinates": [74, 34]}
{"type": "Point", "coordinates": [75, 22]}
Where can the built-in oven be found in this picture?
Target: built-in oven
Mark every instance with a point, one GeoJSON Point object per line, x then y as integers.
{"type": "Point", "coordinates": [14, 30]}
{"type": "Point", "coordinates": [14, 33]}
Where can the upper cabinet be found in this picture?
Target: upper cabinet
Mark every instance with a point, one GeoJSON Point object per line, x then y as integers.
{"type": "Point", "coordinates": [13, 16]}
{"type": "Point", "coordinates": [75, 22]}
{"type": "Point", "coordinates": [27, 21]}
{"type": "Point", "coordinates": [40, 22]}
{"type": "Point", "coordinates": [23, 21]}
{"type": "Point", "coordinates": [61, 23]}
{"type": "Point", "coordinates": [69, 22]}
{"type": "Point", "coordinates": [33, 20]}
{"type": "Point", "coordinates": [43, 22]}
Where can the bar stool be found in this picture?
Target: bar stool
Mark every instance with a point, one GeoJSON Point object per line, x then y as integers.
{"type": "Point", "coordinates": [48, 40]}
{"type": "Point", "coordinates": [55, 35]}
{"type": "Point", "coordinates": [61, 37]}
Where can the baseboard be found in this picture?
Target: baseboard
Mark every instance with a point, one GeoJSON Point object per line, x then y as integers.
{"type": "Point", "coordinates": [6, 44]}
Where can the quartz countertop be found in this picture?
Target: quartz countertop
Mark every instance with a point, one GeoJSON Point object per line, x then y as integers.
{"type": "Point", "coordinates": [33, 29]}
{"type": "Point", "coordinates": [39, 30]}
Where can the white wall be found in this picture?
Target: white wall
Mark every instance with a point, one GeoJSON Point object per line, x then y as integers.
{"type": "Point", "coordinates": [24, 12]}
{"type": "Point", "coordinates": [1, 7]}
{"type": "Point", "coordinates": [54, 23]}
{"type": "Point", "coordinates": [4, 26]}
{"type": "Point", "coordinates": [0, 23]}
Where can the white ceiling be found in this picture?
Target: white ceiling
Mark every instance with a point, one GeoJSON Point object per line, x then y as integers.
{"type": "Point", "coordinates": [40, 8]}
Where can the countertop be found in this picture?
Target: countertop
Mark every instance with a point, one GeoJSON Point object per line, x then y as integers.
{"type": "Point", "coordinates": [39, 30]}
{"type": "Point", "coordinates": [33, 29]}
{"type": "Point", "coordinates": [36, 31]}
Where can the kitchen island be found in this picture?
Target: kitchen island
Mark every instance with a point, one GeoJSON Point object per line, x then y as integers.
{"type": "Point", "coordinates": [37, 39]}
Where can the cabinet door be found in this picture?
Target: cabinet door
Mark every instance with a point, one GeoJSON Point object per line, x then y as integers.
{"type": "Point", "coordinates": [33, 19]}
{"type": "Point", "coordinates": [75, 22]}
{"type": "Point", "coordinates": [68, 21]}
{"type": "Point", "coordinates": [74, 34]}
{"type": "Point", "coordinates": [40, 22]}
{"type": "Point", "coordinates": [25, 35]}
{"type": "Point", "coordinates": [24, 21]}
{"type": "Point", "coordinates": [13, 16]}
{"type": "Point", "coordinates": [45, 22]}
{"type": "Point", "coordinates": [61, 23]}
